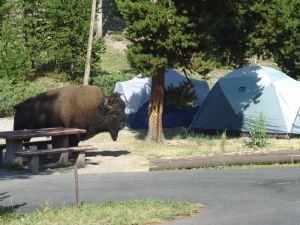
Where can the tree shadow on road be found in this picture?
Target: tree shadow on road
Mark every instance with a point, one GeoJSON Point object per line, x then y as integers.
{"type": "Point", "coordinates": [8, 209]}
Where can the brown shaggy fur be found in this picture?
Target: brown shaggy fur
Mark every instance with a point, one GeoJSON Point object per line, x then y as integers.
{"type": "Point", "coordinates": [80, 106]}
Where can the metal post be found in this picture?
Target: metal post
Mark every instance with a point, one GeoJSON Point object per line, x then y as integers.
{"type": "Point", "coordinates": [76, 186]}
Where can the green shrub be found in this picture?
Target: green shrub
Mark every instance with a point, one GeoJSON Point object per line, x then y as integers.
{"type": "Point", "coordinates": [223, 140]}
{"type": "Point", "coordinates": [108, 81]}
{"type": "Point", "coordinates": [13, 92]}
{"type": "Point", "coordinates": [258, 134]}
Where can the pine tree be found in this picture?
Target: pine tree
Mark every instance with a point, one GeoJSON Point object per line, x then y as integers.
{"type": "Point", "coordinates": [282, 32]}
{"type": "Point", "coordinates": [14, 62]}
{"type": "Point", "coordinates": [38, 33]}
{"type": "Point", "coordinates": [161, 38]}
{"type": "Point", "coordinates": [70, 34]}
{"type": "Point", "coordinates": [56, 34]}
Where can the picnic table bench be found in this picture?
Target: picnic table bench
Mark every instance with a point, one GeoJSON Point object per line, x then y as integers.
{"type": "Point", "coordinates": [33, 156]}
{"type": "Point", "coordinates": [27, 145]}
{"type": "Point", "coordinates": [17, 148]}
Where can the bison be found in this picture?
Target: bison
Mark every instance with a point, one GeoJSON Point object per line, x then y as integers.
{"type": "Point", "coordinates": [81, 106]}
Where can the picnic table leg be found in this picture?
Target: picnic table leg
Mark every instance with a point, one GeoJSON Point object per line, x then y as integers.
{"type": "Point", "coordinates": [60, 142]}
{"type": "Point", "coordinates": [1, 157]}
{"type": "Point", "coordinates": [33, 164]}
{"type": "Point", "coordinates": [13, 146]}
{"type": "Point", "coordinates": [80, 159]}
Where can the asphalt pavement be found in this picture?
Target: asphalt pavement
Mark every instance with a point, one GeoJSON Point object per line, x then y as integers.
{"type": "Point", "coordinates": [230, 196]}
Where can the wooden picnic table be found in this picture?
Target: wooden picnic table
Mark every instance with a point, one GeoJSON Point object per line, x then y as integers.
{"type": "Point", "coordinates": [59, 135]}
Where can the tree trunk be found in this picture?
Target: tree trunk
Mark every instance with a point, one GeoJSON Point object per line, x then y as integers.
{"type": "Point", "coordinates": [99, 23]}
{"type": "Point", "coordinates": [155, 131]}
{"type": "Point", "coordinates": [89, 48]}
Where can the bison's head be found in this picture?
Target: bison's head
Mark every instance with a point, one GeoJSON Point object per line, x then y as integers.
{"type": "Point", "coordinates": [114, 115]}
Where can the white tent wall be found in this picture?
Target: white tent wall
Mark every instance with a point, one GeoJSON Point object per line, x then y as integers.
{"type": "Point", "coordinates": [288, 93]}
{"type": "Point", "coordinates": [134, 93]}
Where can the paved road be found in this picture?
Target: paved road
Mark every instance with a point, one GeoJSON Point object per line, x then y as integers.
{"type": "Point", "coordinates": [231, 197]}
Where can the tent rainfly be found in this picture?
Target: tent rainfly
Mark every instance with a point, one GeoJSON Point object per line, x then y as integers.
{"type": "Point", "coordinates": [237, 100]}
{"type": "Point", "coordinates": [136, 93]}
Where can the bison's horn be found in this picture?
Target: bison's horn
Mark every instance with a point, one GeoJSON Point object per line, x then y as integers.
{"type": "Point", "coordinates": [106, 104]}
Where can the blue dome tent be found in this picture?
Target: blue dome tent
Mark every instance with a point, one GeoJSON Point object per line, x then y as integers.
{"type": "Point", "coordinates": [237, 100]}
{"type": "Point", "coordinates": [136, 92]}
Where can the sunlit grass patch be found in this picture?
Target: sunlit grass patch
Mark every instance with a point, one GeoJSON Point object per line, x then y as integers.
{"type": "Point", "coordinates": [182, 143]}
{"type": "Point", "coordinates": [107, 213]}
{"type": "Point", "coordinates": [252, 166]}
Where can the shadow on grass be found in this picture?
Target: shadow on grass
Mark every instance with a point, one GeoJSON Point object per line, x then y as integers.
{"type": "Point", "coordinates": [107, 153]}
{"type": "Point", "coordinates": [176, 133]}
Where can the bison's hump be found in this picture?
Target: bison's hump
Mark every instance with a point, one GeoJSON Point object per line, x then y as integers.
{"type": "Point", "coordinates": [64, 93]}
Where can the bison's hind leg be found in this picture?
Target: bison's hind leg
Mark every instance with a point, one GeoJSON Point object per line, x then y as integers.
{"type": "Point", "coordinates": [74, 140]}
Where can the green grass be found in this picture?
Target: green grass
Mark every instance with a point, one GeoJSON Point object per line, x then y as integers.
{"type": "Point", "coordinates": [114, 59]}
{"type": "Point", "coordinates": [107, 213]}
{"type": "Point", "coordinates": [252, 166]}
{"type": "Point", "coordinates": [182, 143]}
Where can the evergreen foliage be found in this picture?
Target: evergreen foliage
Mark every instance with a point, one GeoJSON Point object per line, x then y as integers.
{"type": "Point", "coordinates": [233, 31]}
{"type": "Point", "coordinates": [98, 50]}
{"type": "Point", "coordinates": [276, 33]}
{"type": "Point", "coordinates": [13, 53]}
{"type": "Point", "coordinates": [57, 33]}
{"type": "Point", "coordinates": [181, 95]}
{"type": "Point", "coordinates": [112, 20]}
{"type": "Point", "coordinates": [44, 36]}
{"type": "Point", "coordinates": [202, 63]}
{"type": "Point", "coordinates": [160, 34]}
{"type": "Point", "coordinates": [161, 37]}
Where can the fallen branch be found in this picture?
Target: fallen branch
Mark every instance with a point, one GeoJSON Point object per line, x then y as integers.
{"type": "Point", "coordinates": [289, 156]}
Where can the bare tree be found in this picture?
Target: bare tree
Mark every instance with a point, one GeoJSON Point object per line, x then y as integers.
{"type": "Point", "coordinates": [99, 22]}
{"type": "Point", "coordinates": [90, 44]}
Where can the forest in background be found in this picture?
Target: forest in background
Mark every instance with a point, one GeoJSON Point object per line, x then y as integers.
{"type": "Point", "coordinates": [48, 38]}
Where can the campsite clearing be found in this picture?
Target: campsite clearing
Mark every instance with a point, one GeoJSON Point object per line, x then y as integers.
{"type": "Point", "coordinates": [131, 153]}
{"type": "Point", "coordinates": [180, 143]}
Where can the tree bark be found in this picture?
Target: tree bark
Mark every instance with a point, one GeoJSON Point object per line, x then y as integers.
{"type": "Point", "coordinates": [90, 44]}
{"type": "Point", "coordinates": [155, 131]}
{"type": "Point", "coordinates": [99, 23]}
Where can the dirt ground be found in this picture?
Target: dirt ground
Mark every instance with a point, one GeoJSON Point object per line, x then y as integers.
{"type": "Point", "coordinates": [131, 153]}
{"type": "Point", "coordinates": [102, 160]}
{"type": "Point", "coordinates": [110, 164]}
